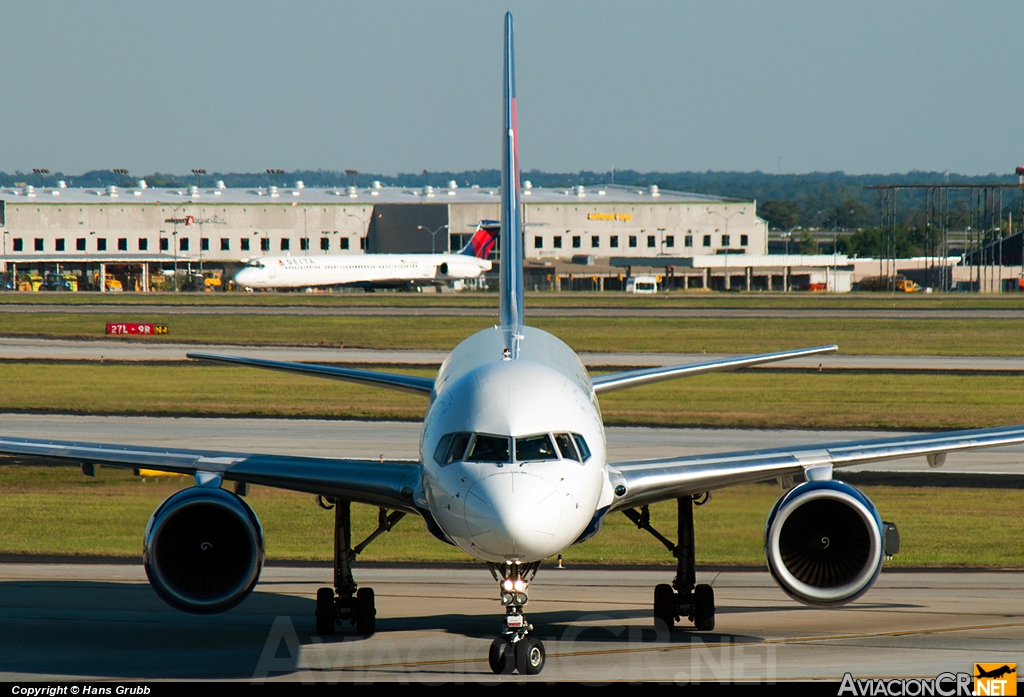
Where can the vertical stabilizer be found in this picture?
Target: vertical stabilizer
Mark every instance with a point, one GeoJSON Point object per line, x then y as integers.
{"type": "Point", "coordinates": [511, 243]}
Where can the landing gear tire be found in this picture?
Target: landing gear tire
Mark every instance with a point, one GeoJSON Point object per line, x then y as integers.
{"type": "Point", "coordinates": [502, 656]}
{"type": "Point", "coordinates": [665, 607]}
{"type": "Point", "coordinates": [530, 655]}
{"type": "Point", "coordinates": [703, 607]}
{"type": "Point", "coordinates": [365, 612]}
{"type": "Point", "coordinates": [325, 611]}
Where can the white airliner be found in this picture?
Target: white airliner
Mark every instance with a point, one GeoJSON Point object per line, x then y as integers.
{"type": "Point", "coordinates": [512, 470]}
{"type": "Point", "coordinates": [371, 269]}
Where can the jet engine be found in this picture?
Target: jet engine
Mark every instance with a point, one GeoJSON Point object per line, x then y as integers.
{"type": "Point", "coordinates": [203, 550]}
{"type": "Point", "coordinates": [824, 543]}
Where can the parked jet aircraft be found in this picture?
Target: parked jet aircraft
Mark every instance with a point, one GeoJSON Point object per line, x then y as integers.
{"type": "Point", "coordinates": [512, 470]}
{"type": "Point", "coordinates": [371, 269]}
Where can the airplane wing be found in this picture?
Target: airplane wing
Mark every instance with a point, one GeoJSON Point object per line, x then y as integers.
{"type": "Point", "coordinates": [393, 381]}
{"type": "Point", "coordinates": [646, 376]}
{"type": "Point", "coordinates": [391, 484]}
{"type": "Point", "coordinates": [648, 481]}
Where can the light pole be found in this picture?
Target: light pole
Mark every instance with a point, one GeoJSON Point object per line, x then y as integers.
{"type": "Point", "coordinates": [199, 177]}
{"type": "Point", "coordinates": [121, 173]}
{"type": "Point", "coordinates": [726, 218]}
{"type": "Point", "coordinates": [277, 173]}
{"type": "Point", "coordinates": [40, 171]}
{"type": "Point", "coordinates": [432, 235]}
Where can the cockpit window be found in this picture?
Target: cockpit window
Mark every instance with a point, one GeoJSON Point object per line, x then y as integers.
{"type": "Point", "coordinates": [582, 445]}
{"type": "Point", "coordinates": [489, 449]}
{"type": "Point", "coordinates": [565, 445]}
{"type": "Point", "coordinates": [451, 447]}
{"type": "Point", "coordinates": [534, 448]}
{"type": "Point", "coordinates": [255, 264]}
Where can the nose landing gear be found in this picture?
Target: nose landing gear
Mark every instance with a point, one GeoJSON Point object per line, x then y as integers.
{"type": "Point", "coordinates": [515, 649]}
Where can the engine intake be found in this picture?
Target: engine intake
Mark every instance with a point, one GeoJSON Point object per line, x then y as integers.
{"type": "Point", "coordinates": [823, 543]}
{"type": "Point", "coordinates": [203, 550]}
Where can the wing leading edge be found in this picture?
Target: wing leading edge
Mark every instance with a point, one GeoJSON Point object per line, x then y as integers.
{"type": "Point", "coordinates": [646, 376]}
{"type": "Point", "coordinates": [393, 381]}
{"type": "Point", "coordinates": [647, 481]}
{"type": "Point", "coordinates": [392, 484]}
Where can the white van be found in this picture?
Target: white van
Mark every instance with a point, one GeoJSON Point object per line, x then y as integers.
{"type": "Point", "coordinates": [642, 284]}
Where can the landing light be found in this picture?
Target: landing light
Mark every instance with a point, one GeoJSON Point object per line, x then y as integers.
{"type": "Point", "coordinates": [507, 584]}
{"type": "Point", "coordinates": [519, 584]}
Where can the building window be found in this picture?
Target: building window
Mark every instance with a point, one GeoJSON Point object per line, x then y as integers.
{"type": "Point", "coordinates": [225, 244]}
{"type": "Point", "coordinates": [344, 243]}
{"type": "Point", "coordinates": [725, 240]}
{"type": "Point", "coordinates": [58, 244]}
{"type": "Point", "coordinates": [613, 241]}
{"type": "Point", "coordinates": [744, 240]}
{"type": "Point", "coordinates": [538, 242]}
{"type": "Point", "coordinates": [19, 245]}
{"type": "Point", "coordinates": [183, 244]}
{"type": "Point", "coordinates": [39, 244]}
{"type": "Point", "coordinates": [122, 244]}
{"type": "Point", "coordinates": [632, 240]}
{"type": "Point", "coordinates": [286, 244]}
{"type": "Point", "coordinates": [101, 244]}
{"type": "Point", "coordinates": [143, 244]}
{"type": "Point", "coordinates": [325, 243]}
{"type": "Point", "coordinates": [651, 244]}
{"type": "Point", "coordinates": [362, 243]}
{"type": "Point", "coordinates": [80, 244]}
{"type": "Point", "coordinates": [304, 244]}
{"type": "Point", "coordinates": [595, 241]}
{"type": "Point", "coordinates": [707, 240]}
{"type": "Point", "coordinates": [165, 244]}
{"type": "Point", "coordinates": [243, 244]}
{"type": "Point", "coordinates": [688, 241]}
{"type": "Point", "coordinates": [557, 242]}
{"type": "Point", "coordinates": [576, 242]}
{"type": "Point", "coordinates": [265, 244]}
{"type": "Point", "coordinates": [670, 241]}
{"type": "Point", "coordinates": [204, 244]}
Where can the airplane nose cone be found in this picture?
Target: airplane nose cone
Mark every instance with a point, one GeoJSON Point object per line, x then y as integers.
{"type": "Point", "coordinates": [513, 515]}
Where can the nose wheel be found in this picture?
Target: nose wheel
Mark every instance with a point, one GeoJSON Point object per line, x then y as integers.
{"type": "Point", "coordinates": [515, 650]}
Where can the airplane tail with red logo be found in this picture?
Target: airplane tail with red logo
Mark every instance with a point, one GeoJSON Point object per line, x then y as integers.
{"type": "Point", "coordinates": [482, 243]}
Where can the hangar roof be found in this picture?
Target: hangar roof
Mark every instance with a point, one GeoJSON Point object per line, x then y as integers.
{"type": "Point", "coordinates": [616, 194]}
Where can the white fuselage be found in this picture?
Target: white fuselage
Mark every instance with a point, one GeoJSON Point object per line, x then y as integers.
{"type": "Point", "coordinates": [514, 510]}
{"type": "Point", "coordinates": [338, 269]}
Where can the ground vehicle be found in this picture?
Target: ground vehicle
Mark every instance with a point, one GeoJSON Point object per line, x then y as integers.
{"type": "Point", "coordinates": [112, 284]}
{"type": "Point", "coordinates": [642, 284]}
{"type": "Point", "coordinates": [30, 283]}
{"type": "Point", "coordinates": [64, 282]}
{"type": "Point", "coordinates": [899, 284]}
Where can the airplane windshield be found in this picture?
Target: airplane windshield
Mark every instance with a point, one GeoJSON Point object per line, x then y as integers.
{"type": "Point", "coordinates": [489, 449]}
{"type": "Point", "coordinates": [535, 448]}
{"type": "Point", "coordinates": [254, 264]}
{"type": "Point", "coordinates": [565, 444]}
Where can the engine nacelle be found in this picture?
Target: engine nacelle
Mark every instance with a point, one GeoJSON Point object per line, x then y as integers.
{"type": "Point", "coordinates": [823, 543]}
{"type": "Point", "coordinates": [203, 550]}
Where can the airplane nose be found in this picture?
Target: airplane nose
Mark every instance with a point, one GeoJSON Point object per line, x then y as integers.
{"type": "Point", "coordinates": [513, 515]}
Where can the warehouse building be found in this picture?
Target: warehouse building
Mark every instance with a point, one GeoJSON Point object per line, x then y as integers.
{"type": "Point", "coordinates": [140, 231]}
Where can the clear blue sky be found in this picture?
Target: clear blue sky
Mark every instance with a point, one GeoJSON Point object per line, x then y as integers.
{"type": "Point", "coordinates": [398, 87]}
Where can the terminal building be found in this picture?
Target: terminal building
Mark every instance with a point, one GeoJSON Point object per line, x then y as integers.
{"type": "Point", "coordinates": [141, 233]}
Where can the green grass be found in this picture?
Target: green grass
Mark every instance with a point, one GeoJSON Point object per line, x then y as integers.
{"type": "Point", "coordinates": [55, 510]}
{"type": "Point", "coordinates": [943, 337]}
{"type": "Point", "coordinates": [756, 398]}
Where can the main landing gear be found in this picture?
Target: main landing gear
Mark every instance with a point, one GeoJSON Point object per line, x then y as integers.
{"type": "Point", "coordinates": [684, 598]}
{"type": "Point", "coordinates": [515, 649]}
{"type": "Point", "coordinates": [346, 601]}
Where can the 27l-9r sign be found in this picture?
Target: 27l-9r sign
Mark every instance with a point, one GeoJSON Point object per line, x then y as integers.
{"type": "Point", "coordinates": [134, 328]}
